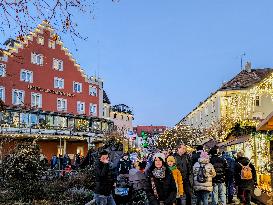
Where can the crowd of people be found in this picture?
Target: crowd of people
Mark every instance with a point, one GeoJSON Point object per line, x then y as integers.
{"type": "Point", "coordinates": [166, 178]}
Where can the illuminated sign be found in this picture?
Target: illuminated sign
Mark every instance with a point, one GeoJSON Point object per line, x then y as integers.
{"type": "Point", "coordinates": [57, 92]}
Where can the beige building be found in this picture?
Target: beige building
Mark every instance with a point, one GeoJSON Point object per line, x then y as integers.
{"type": "Point", "coordinates": [246, 97]}
{"type": "Point", "coordinates": [121, 115]}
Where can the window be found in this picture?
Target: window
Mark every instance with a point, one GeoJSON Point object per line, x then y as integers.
{"type": "Point", "coordinates": [77, 87]}
{"type": "Point", "coordinates": [57, 64]}
{"type": "Point", "coordinates": [2, 93]}
{"type": "Point", "coordinates": [18, 97]}
{"type": "Point", "coordinates": [40, 40]}
{"type": "Point", "coordinates": [58, 83]}
{"type": "Point", "coordinates": [36, 100]}
{"type": "Point", "coordinates": [51, 44]}
{"type": "Point", "coordinates": [2, 70]}
{"type": "Point", "coordinates": [61, 104]}
{"type": "Point", "coordinates": [93, 90]}
{"type": "Point", "coordinates": [26, 76]}
{"type": "Point", "coordinates": [257, 102]}
{"type": "Point", "coordinates": [93, 109]}
{"type": "Point", "coordinates": [80, 107]}
{"type": "Point", "coordinates": [37, 59]}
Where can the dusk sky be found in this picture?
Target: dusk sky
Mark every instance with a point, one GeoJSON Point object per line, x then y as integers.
{"type": "Point", "coordinates": [164, 57]}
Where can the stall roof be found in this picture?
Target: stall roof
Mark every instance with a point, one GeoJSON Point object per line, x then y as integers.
{"type": "Point", "coordinates": [267, 123]}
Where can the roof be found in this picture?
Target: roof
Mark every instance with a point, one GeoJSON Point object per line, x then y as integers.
{"type": "Point", "coordinates": [246, 79]}
{"type": "Point", "coordinates": [267, 123]}
{"type": "Point", "coordinates": [242, 80]}
{"type": "Point", "coordinates": [105, 98]}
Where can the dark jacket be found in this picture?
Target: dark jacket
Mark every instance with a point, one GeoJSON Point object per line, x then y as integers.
{"type": "Point", "coordinates": [124, 166]}
{"type": "Point", "coordinates": [184, 165]}
{"type": "Point", "coordinates": [243, 183]}
{"type": "Point", "coordinates": [166, 188]}
{"type": "Point", "coordinates": [104, 177]}
{"type": "Point", "coordinates": [195, 157]}
{"type": "Point", "coordinates": [221, 169]}
{"type": "Point", "coordinates": [231, 167]}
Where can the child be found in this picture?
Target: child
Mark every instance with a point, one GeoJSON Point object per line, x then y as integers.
{"type": "Point", "coordinates": [177, 177]}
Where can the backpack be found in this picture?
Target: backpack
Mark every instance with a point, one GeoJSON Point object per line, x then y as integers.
{"type": "Point", "coordinates": [201, 175]}
{"type": "Point", "coordinates": [246, 172]}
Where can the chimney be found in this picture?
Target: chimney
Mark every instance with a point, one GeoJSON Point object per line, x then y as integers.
{"type": "Point", "coordinates": [248, 66]}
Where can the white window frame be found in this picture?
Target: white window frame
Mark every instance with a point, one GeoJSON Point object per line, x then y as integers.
{"type": "Point", "coordinates": [78, 87]}
{"type": "Point", "coordinates": [51, 44]}
{"type": "Point", "coordinates": [15, 96]}
{"type": "Point", "coordinates": [40, 40]}
{"type": "Point", "coordinates": [63, 106]}
{"type": "Point", "coordinates": [26, 72]}
{"type": "Point", "coordinates": [95, 94]}
{"type": "Point", "coordinates": [91, 109]}
{"type": "Point", "coordinates": [3, 68]}
{"type": "Point", "coordinates": [57, 83]}
{"type": "Point", "coordinates": [35, 57]}
{"type": "Point", "coordinates": [35, 103]}
{"type": "Point", "coordinates": [58, 64]}
{"type": "Point", "coordinates": [80, 107]}
{"type": "Point", "coordinates": [3, 93]}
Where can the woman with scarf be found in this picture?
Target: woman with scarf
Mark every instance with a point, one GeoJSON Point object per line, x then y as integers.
{"type": "Point", "coordinates": [161, 184]}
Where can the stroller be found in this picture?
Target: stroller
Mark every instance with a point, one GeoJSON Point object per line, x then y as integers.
{"type": "Point", "coordinates": [122, 194]}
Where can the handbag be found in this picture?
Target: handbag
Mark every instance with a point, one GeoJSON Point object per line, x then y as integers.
{"type": "Point", "coordinates": [121, 191]}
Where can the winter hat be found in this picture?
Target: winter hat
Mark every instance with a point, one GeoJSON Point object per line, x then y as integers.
{"type": "Point", "coordinates": [159, 155]}
{"type": "Point", "coordinates": [171, 159]}
{"type": "Point", "coordinates": [204, 155]}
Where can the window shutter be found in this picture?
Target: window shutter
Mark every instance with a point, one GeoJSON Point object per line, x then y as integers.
{"type": "Point", "coordinates": [40, 100]}
{"type": "Point", "coordinates": [32, 100]}
{"type": "Point", "coordinates": [33, 58]}
{"type": "Point", "coordinates": [55, 82]}
{"type": "Point", "coordinates": [41, 59]}
{"type": "Point", "coordinates": [78, 106]}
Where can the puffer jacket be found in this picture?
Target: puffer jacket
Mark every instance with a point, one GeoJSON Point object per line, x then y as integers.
{"type": "Point", "coordinates": [243, 183]}
{"type": "Point", "coordinates": [210, 173]}
{"type": "Point", "coordinates": [221, 168]}
{"type": "Point", "coordinates": [179, 181]}
{"type": "Point", "coordinates": [104, 176]}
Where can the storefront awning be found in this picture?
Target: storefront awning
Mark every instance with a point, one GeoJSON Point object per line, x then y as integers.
{"type": "Point", "coordinates": [267, 123]}
{"type": "Point", "coordinates": [234, 141]}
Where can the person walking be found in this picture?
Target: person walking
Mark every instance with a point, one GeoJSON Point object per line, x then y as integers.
{"type": "Point", "coordinates": [203, 172]}
{"type": "Point", "coordinates": [230, 176]}
{"type": "Point", "coordinates": [184, 164]}
{"type": "Point", "coordinates": [161, 184]}
{"type": "Point", "coordinates": [219, 181]}
{"type": "Point", "coordinates": [104, 177]}
{"type": "Point", "coordinates": [245, 178]}
{"type": "Point", "coordinates": [177, 178]}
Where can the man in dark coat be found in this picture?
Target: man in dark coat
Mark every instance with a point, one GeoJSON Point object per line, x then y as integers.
{"type": "Point", "coordinates": [245, 186]}
{"type": "Point", "coordinates": [124, 165]}
{"type": "Point", "coordinates": [219, 181]}
{"type": "Point", "coordinates": [184, 164]}
{"type": "Point", "coordinates": [105, 178]}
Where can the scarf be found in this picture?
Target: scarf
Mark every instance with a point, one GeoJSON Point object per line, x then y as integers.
{"type": "Point", "coordinates": [159, 172]}
{"type": "Point", "coordinates": [173, 167]}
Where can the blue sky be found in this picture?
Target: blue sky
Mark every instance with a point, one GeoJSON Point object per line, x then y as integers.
{"type": "Point", "coordinates": [163, 57]}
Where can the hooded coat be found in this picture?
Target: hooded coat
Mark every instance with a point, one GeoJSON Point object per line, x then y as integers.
{"type": "Point", "coordinates": [243, 183]}
{"type": "Point", "coordinates": [209, 173]}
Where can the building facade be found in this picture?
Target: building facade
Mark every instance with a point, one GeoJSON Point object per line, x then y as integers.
{"type": "Point", "coordinates": [48, 96]}
{"type": "Point", "coordinates": [246, 97]}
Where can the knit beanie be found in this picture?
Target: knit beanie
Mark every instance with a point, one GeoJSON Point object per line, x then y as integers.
{"type": "Point", "coordinates": [159, 155]}
{"type": "Point", "coordinates": [171, 159]}
{"type": "Point", "coordinates": [204, 155]}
